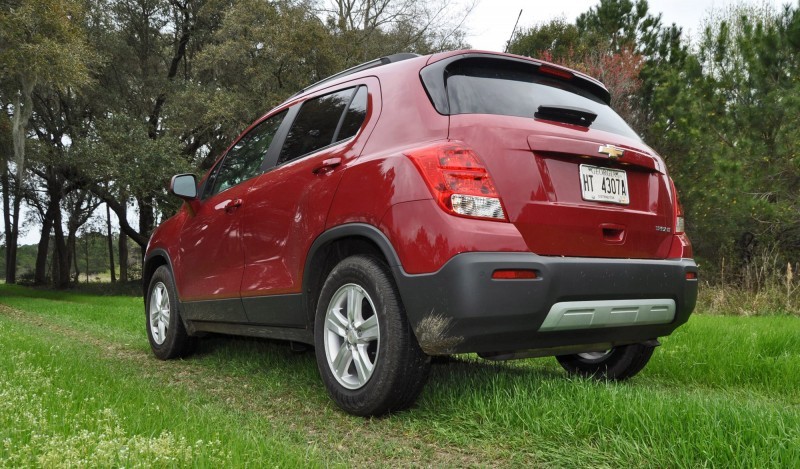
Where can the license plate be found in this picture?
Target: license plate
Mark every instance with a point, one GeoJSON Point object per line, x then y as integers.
{"type": "Point", "coordinates": [604, 185]}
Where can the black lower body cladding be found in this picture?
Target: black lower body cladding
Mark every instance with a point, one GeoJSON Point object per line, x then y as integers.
{"type": "Point", "coordinates": [461, 308]}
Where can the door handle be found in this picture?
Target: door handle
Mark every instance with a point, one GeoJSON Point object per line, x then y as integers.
{"type": "Point", "coordinates": [232, 205]}
{"type": "Point", "coordinates": [327, 165]}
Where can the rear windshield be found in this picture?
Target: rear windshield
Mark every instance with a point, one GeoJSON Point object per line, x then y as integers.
{"type": "Point", "coordinates": [513, 89]}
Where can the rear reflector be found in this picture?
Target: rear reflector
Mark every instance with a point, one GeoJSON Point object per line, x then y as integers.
{"type": "Point", "coordinates": [691, 275]}
{"type": "Point", "coordinates": [514, 274]}
{"type": "Point", "coordinates": [680, 224]}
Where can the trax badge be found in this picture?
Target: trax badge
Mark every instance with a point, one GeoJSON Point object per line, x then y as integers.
{"type": "Point", "coordinates": [612, 151]}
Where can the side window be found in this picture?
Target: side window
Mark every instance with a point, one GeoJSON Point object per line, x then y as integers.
{"type": "Point", "coordinates": [322, 121]}
{"type": "Point", "coordinates": [244, 160]}
{"type": "Point", "coordinates": [355, 115]}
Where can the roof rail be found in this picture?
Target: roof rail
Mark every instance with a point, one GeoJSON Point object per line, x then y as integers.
{"type": "Point", "coordinates": [365, 66]}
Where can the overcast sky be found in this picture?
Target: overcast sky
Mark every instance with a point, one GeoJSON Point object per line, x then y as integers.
{"type": "Point", "coordinates": [490, 24]}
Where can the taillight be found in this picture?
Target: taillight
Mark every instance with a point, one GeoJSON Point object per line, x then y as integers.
{"type": "Point", "coordinates": [458, 180]}
{"type": "Point", "coordinates": [678, 209]}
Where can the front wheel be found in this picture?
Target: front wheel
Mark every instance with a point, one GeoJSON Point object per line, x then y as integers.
{"type": "Point", "coordinates": [619, 363]}
{"type": "Point", "coordinates": [367, 355]}
{"type": "Point", "coordinates": [165, 331]}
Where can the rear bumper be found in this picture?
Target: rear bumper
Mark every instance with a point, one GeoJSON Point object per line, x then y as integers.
{"type": "Point", "coordinates": [460, 308]}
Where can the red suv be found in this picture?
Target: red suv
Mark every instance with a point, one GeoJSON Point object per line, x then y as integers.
{"type": "Point", "coordinates": [417, 206]}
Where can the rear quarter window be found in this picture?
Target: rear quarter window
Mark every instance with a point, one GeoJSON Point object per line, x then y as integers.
{"type": "Point", "coordinates": [325, 120]}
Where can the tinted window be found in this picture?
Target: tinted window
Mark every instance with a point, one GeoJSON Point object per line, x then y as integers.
{"type": "Point", "coordinates": [244, 160]}
{"type": "Point", "coordinates": [315, 124]}
{"type": "Point", "coordinates": [355, 115]}
{"type": "Point", "coordinates": [497, 87]}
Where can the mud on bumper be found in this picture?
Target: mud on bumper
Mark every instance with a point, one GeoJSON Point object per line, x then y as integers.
{"type": "Point", "coordinates": [461, 308]}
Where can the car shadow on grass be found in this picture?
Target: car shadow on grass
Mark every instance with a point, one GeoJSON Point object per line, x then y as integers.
{"type": "Point", "coordinates": [274, 364]}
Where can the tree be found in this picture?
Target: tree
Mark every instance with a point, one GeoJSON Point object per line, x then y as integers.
{"type": "Point", "coordinates": [41, 44]}
{"type": "Point", "coordinates": [558, 39]}
{"type": "Point", "coordinates": [367, 29]}
{"type": "Point", "coordinates": [749, 132]}
{"type": "Point", "coordinates": [621, 24]}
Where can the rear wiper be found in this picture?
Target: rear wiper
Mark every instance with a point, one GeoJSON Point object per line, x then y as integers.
{"type": "Point", "coordinates": [566, 114]}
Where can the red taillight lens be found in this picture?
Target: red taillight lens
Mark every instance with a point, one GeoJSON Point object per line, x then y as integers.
{"type": "Point", "coordinates": [514, 274]}
{"type": "Point", "coordinates": [458, 180]}
{"type": "Point", "coordinates": [678, 209]}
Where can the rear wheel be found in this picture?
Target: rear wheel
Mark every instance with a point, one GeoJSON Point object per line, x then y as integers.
{"type": "Point", "coordinates": [165, 330]}
{"type": "Point", "coordinates": [367, 354]}
{"type": "Point", "coordinates": [619, 363]}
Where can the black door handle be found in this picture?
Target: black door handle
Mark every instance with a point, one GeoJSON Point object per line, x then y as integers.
{"type": "Point", "coordinates": [327, 165]}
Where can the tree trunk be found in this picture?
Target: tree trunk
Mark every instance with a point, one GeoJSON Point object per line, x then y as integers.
{"type": "Point", "coordinates": [11, 240]}
{"type": "Point", "coordinates": [123, 249]}
{"type": "Point", "coordinates": [5, 185]}
{"type": "Point", "coordinates": [110, 245]}
{"type": "Point", "coordinates": [40, 274]}
{"type": "Point", "coordinates": [61, 257]}
{"type": "Point", "coordinates": [86, 255]}
{"type": "Point", "coordinates": [73, 253]}
{"type": "Point", "coordinates": [146, 218]}
{"type": "Point", "coordinates": [23, 109]}
{"type": "Point", "coordinates": [11, 202]}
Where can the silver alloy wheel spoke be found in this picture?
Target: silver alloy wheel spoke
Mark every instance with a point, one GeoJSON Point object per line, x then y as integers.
{"type": "Point", "coordinates": [361, 362]}
{"type": "Point", "coordinates": [351, 342]}
{"type": "Point", "coordinates": [159, 313]}
{"type": "Point", "coordinates": [342, 361]}
{"type": "Point", "coordinates": [354, 299]}
{"type": "Point", "coordinates": [368, 330]}
{"type": "Point", "coordinates": [336, 323]}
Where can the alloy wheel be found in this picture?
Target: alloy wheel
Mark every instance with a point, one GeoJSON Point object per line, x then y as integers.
{"type": "Point", "coordinates": [352, 336]}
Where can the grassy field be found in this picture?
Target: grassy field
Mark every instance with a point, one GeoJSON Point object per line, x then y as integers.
{"type": "Point", "coordinates": [78, 386]}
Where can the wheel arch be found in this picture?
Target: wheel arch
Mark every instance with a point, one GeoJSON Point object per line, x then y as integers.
{"type": "Point", "coordinates": [155, 259]}
{"type": "Point", "coordinates": [336, 244]}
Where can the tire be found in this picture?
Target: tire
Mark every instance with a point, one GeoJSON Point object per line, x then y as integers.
{"type": "Point", "coordinates": [619, 363]}
{"type": "Point", "coordinates": [165, 330]}
{"type": "Point", "coordinates": [367, 354]}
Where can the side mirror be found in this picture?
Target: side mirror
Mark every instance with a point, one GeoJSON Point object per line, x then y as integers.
{"type": "Point", "coordinates": [184, 186]}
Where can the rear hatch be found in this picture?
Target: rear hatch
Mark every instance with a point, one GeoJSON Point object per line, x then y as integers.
{"type": "Point", "coordinates": [573, 177]}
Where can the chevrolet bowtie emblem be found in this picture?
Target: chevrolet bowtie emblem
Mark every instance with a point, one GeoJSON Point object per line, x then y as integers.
{"type": "Point", "coordinates": [612, 151]}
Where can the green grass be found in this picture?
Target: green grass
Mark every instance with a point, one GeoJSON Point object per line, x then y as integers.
{"type": "Point", "coordinates": [79, 386]}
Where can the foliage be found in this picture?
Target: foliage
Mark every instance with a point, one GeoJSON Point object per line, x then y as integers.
{"type": "Point", "coordinates": [41, 42]}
